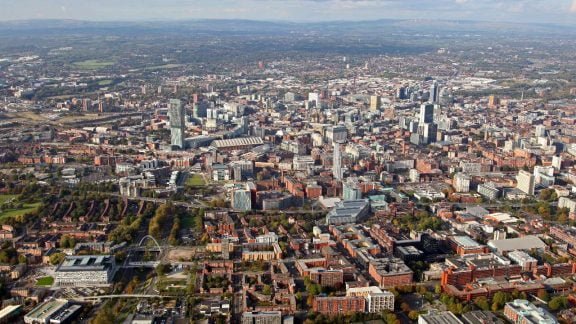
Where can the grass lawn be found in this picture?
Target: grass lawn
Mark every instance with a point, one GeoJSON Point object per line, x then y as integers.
{"type": "Point", "coordinates": [9, 213]}
{"type": "Point", "coordinates": [92, 64]}
{"type": "Point", "coordinates": [104, 82]}
{"type": "Point", "coordinates": [195, 180]}
{"type": "Point", "coordinates": [45, 281]}
{"type": "Point", "coordinates": [6, 198]}
{"type": "Point", "coordinates": [171, 285]}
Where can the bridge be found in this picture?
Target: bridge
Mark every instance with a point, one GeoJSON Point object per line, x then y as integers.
{"type": "Point", "coordinates": [141, 264]}
{"type": "Point", "coordinates": [99, 298]}
{"type": "Point", "coordinates": [141, 247]}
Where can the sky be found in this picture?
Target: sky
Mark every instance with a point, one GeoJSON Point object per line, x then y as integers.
{"type": "Point", "coordinates": [525, 11]}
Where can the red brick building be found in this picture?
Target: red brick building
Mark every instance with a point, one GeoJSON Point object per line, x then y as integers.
{"type": "Point", "coordinates": [338, 305]}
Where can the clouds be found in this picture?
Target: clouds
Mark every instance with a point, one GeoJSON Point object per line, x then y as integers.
{"type": "Point", "coordinates": [556, 11]}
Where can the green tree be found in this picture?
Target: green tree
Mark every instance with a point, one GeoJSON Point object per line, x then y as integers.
{"type": "Point", "coordinates": [558, 303]}
{"type": "Point", "coordinates": [413, 315]}
{"type": "Point", "coordinates": [57, 258]}
{"type": "Point", "coordinates": [482, 303]}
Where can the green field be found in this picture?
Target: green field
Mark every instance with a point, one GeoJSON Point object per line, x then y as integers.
{"type": "Point", "coordinates": [45, 281]}
{"type": "Point", "coordinates": [10, 213]}
{"type": "Point", "coordinates": [195, 180]}
{"type": "Point", "coordinates": [5, 198]}
{"type": "Point", "coordinates": [105, 82]}
{"type": "Point", "coordinates": [92, 64]}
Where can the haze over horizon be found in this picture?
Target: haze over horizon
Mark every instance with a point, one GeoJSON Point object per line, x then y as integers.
{"type": "Point", "coordinates": [515, 11]}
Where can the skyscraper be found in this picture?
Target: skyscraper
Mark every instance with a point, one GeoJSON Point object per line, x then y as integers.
{"type": "Point", "coordinates": [375, 102]}
{"type": "Point", "coordinates": [177, 125]}
{"type": "Point", "coordinates": [337, 163]}
{"type": "Point", "coordinates": [426, 113]}
{"type": "Point", "coordinates": [434, 93]}
{"type": "Point", "coordinates": [526, 182]}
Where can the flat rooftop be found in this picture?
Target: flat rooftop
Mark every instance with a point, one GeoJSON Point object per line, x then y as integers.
{"type": "Point", "coordinates": [85, 263]}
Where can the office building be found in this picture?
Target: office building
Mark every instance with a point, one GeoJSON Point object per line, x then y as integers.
{"type": "Point", "coordinates": [434, 93]}
{"type": "Point", "coordinates": [271, 317]}
{"type": "Point", "coordinates": [521, 311]}
{"type": "Point", "coordinates": [338, 305]}
{"type": "Point", "coordinates": [375, 102]}
{"type": "Point", "coordinates": [544, 175]}
{"type": "Point", "coordinates": [85, 271]}
{"type": "Point", "coordinates": [489, 190]}
{"type": "Point", "coordinates": [565, 202]}
{"type": "Point", "coordinates": [439, 318]}
{"type": "Point", "coordinates": [349, 211]}
{"type": "Point", "coordinates": [336, 134]}
{"type": "Point", "coordinates": [526, 182]}
{"type": "Point", "coordinates": [426, 114]}
{"type": "Point", "coordinates": [376, 299]}
{"type": "Point", "coordinates": [53, 311]}
{"type": "Point", "coordinates": [540, 131]}
{"type": "Point", "coordinates": [351, 190]}
{"type": "Point", "coordinates": [462, 182]}
{"type": "Point", "coordinates": [337, 163]}
{"type": "Point", "coordinates": [9, 313]}
{"type": "Point", "coordinates": [177, 124]}
{"type": "Point", "coordinates": [241, 199]}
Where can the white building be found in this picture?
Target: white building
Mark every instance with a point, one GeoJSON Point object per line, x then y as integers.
{"type": "Point", "coordinates": [526, 182]}
{"type": "Point", "coordinates": [544, 175]}
{"type": "Point", "coordinates": [462, 182]}
{"type": "Point", "coordinates": [376, 299]}
{"type": "Point", "coordinates": [564, 202]}
{"type": "Point", "coordinates": [85, 270]}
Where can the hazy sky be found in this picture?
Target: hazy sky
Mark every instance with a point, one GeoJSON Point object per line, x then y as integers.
{"type": "Point", "coordinates": [558, 11]}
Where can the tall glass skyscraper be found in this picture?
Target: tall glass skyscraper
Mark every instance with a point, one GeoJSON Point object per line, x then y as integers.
{"type": "Point", "coordinates": [177, 124]}
{"type": "Point", "coordinates": [337, 163]}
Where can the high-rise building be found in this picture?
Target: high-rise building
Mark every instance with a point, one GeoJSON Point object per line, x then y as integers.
{"type": "Point", "coordinates": [434, 93]}
{"type": "Point", "coordinates": [493, 101]}
{"type": "Point", "coordinates": [526, 182]}
{"type": "Point", "coordinates": [351, 190]}
{"type": "Point", "coordinates": [426, 113]}
{"type": "Point", "coordinates": [337, 163]}
{"type": "Point", "coordinates": [462, 182]}
{"type": "Point", "coordinates": [177, 125]}
{"type": "Point", "coordinates": [540, 131]}
{"type": "Point", "coordinates": [242, 200]}
{"type": "Point", "coordinates": [336, 134]}
{"type": "Point", "coordinates": [375, 102]}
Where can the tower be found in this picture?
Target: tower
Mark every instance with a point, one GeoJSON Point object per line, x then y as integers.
{"type": "Point", "coordinates": [375, 103]}
{"type": "Point", "coordinates": [434, 93]}
{"type": "Point", "coordinates": [177, 125]}
{"type": "Point", "coordinates": [426, 113]}
{"type": "Point", "coordinates": [337, 163]}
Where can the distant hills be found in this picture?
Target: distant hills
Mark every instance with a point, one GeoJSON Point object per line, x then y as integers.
{"type": "Point", "coordinates": [267, 27]}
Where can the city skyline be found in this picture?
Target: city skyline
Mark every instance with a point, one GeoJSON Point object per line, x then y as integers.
{"type": "Point", "coordinates": [516, 11]}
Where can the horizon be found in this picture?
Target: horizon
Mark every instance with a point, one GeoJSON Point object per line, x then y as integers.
{"type": "Point", "coordinates": [558, 12]}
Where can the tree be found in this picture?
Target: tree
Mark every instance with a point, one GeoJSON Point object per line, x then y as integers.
{"type": "Point", "coordinates": [482, 303]}
{"type": "Point", "coordinates": [57, 258]}
{"type": "Point", "coordinates": [267, 290]}
{"type": "Point", "coordinates": [558, 303]}
{"type": "Point", "coordinates": [438, 289]}
{"type": "Point", "coordinates": [413, 315]}
{"type": "Point", "coordinates": [105, 316]}
{"type": "Point", "coordinates": [163, 268]}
